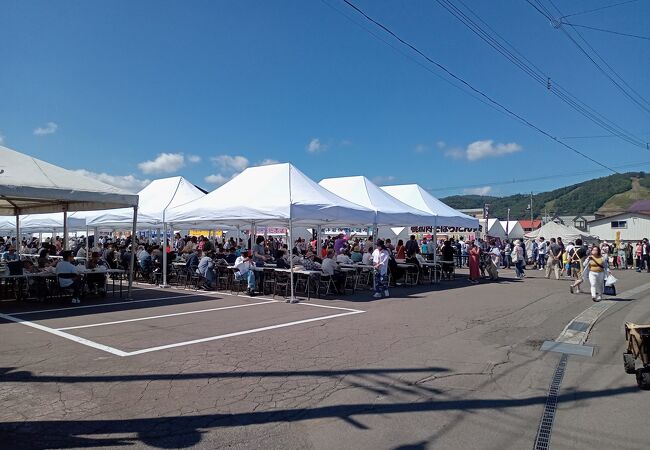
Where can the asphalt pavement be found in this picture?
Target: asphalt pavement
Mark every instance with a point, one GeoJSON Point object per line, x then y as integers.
{"type": "Point", "coordinates": [445, 366]}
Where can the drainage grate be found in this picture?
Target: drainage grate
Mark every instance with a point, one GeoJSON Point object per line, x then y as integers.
{"type": "Point", "coordinates": [543, 439]}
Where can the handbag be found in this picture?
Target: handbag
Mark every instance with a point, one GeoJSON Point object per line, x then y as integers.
{"type": "Point", "coordinates": [514, 256]}
{"type": "Point", "coordinates": [609, 290]}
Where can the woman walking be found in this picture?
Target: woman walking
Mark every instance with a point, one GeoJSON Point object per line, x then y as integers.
{"type": "Point", "coordinates": [474, 263]}
{"type": "Point", "coordinates": [597, 265]}
{"type": "Point", "coordinates": [519, 258]}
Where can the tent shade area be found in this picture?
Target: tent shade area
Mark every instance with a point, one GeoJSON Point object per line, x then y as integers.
{"type": "Point", "coordinates": [272, 194]}
{"type": "Point", "coordinates": [555, 230]}
{"type": "Point", "coordinates": [31, 186]}
{"type": "Point", "coordinates": [417, 197]}
{"type": "Point", "coordinates": [155, 200]}
{"type": "Point", "coordinates": [388, 210]}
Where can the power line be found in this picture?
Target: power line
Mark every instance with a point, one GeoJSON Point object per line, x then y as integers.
{"type": "Point", "coordinates": [598, 9]}
{"type": "Point", "coordinates": [533, 71]}
{"type": "Point", "coordinates": [539, 6]}
{"type": "Point", "coordinates": [540, 178]}
{"type": "Point", "coordinates": [514, 115]}
{"type": "Point", "coordinates": [606, 31]}
{"type": "Point", "coordinates": [598, 136]}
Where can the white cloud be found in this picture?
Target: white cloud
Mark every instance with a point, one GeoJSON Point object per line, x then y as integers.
{"type": "Point", "coordinates": [227, 162]}
{"type": "Point", "coordinates": [127, 182]}
{"type": "Point", "coordinates": [383, 179]}
{"type": "Point", "coordinates": [316, 146]}
{"type": "Point", "coordinates": [441, 144]}
{"type": "Point", "coordinates": [193, 159]}
{"type": "Point", "coordinates": [2, 138]}
{"type": "Point", "coordinates": [49, 128]}
{"type": "Point", "coordinates": [483, 149]}
{"type": "Point", "coordinates": [421, 148]}
{"type": "Point", "coordinates": [268, 162]}
{"type": "Point", "coordinates": [216, 179]}
{"type": "Point", "coordinates": [485, 190]}
{"type": "Point", "coordinates": [163, 163]}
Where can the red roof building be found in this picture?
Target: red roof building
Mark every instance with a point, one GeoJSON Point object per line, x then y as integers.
{"type": "Point", "coordinates": [529, 225]}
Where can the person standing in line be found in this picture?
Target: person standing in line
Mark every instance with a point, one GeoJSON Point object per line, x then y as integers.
{"type": "Point", "coordinates": [412, 246]}
{"type": "Point", "coordinates": [380, 265]}
{"type": "Point", "coordinates": [598, 268]}
{"type": "Point", "coordinates": [638, 252]}
{"type": "Point", "coordinates": [474, 263]}
{"type": "Point", "coordinates": [646, 254]}
{"type": "Point", "coordinates": [622, 260]}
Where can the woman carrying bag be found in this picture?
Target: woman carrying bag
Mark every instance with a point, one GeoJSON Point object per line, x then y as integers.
{"type": "Point", "coordinates": [596, 269]}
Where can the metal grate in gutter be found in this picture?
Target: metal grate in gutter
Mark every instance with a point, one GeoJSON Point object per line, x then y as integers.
{"type": "Point", "coordinates": [543, 438]}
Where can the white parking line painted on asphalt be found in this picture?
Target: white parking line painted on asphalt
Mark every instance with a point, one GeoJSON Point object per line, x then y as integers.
{"type": "Point", "coordinates": [240, 333]}
{"type": "Point", "coordinates": [65, 335]}
{"type": "Point", "coordinates": [166, 315]}
{"type": "Point", "coordinates": [99, 305]}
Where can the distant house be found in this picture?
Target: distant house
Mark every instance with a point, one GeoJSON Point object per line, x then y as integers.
{"type": "Point", "coordinates": [474, 212]}
{"type": "Point", "coordinates": [530, 225]}
{"type": "Point", "coordinates": [630, 226]}
{"type": "Point", "coordinates": [580, 222]}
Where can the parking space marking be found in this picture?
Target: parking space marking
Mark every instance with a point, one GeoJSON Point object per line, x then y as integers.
{"type": "Point", "coordinates": [99, 305]}
{"type": "Point", "coordinates": [241, 333]}
{"type": "Point", "coordinates": [166, 315]}
{"type": "Point", "coordinates": [65, 335]}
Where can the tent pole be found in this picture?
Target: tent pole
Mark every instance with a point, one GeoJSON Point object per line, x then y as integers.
{"type": "Point", "coordinates": [318, 240]}
{"type": "Point", "coordinates": [87, 241]}
{"type": "Point", "coordinates": [65, 228]}
{"type": "Point", "coordinates": [250, 236]}
{"type": "Point", "coordinates": [293, 298]}
{"type": "Point", "coordinates": [95, 237]}
{"type": "Point", "coordinates": [17, 231]}
{"type": "Point", "coordinates": [164, 256]}
{"type": "Point", "coordinates": [133, 248]}
{"type": "Point", "coordinates": [435, 240]}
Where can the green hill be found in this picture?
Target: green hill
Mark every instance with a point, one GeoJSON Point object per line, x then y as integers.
{"type": "Point", "coordinates": [606, 195]}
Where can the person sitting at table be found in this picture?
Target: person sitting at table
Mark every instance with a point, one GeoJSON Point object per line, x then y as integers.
{"type": "Point", "coordinates": [356, 255]}
{"type": "Point", "coordinates": [96, 281]}
{"type": "Point", "coordinates": [72, 279]}
{"type": "Point", "coordinates": [308, 262]}
{"type": "Point", "coordinates": [243, 271]}
{"type": "Point", "coordinates": [329, 267]}
{"type": "Point", "coordinates": [206, 270]}
{"type": "Point", "coordinates": [395, 270]}
{"type": "Point", "coordinates": [231, 257]}
{"type": "Point", "coordinates": [192, 262]}
{"type": "Point", "coordinates": [400, 251]}
{"type": "Point", "coordinates": [281, 261]}
{"type": "Point", "coordinates": [343, 258]}
{"type": "Point", "coordinates": [10, 254]}
{"type": "Point", "coordinates": [367, 256]}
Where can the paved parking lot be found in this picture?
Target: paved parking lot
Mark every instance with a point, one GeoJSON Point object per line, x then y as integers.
{"type": "Point", "coordinates": [448, 366]}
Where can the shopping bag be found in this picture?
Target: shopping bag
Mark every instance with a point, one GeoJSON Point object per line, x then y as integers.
{"type": "Point", "coordinates": [610, 290]}
{"type": "Point", "coordinates": [610, 280]}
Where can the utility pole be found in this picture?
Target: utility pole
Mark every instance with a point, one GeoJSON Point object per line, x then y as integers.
{"type": "Point", "coordinates": [531, 209]}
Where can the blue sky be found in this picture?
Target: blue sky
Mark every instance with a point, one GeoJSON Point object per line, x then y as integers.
{"type": "Point", "coordinates": [132, 91]}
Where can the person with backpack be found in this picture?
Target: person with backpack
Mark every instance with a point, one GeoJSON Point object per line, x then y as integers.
{"type": "Point", "coordinates": [576, 255]}
{"type": "Point", "coordinates": [554, 259]}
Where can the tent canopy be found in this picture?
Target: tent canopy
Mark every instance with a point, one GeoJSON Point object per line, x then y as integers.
{"type": "Point", "coordinates": [270, 194]}
{"type": "Point", "coordinates": [388, 210]}
{"type": "Point", "coordinates": [417, 197]}
{"type": "Point", "coordinates": [155, 200]}
{"type": "Point", "coordinates": [513, 229]}
{"type": "Point", "coordinates": [555, 230]}
{"type": "Point", "coordinates": [30, 186]}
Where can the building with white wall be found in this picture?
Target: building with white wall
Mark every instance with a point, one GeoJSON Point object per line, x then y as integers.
{"type": "Point", "coordinates": [632, 226]}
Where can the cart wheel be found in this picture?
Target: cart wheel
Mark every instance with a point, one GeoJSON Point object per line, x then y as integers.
{"type": "Point", "coordinates": [643, 378]}
{"type": "Point", "coordinates": [628, 363]}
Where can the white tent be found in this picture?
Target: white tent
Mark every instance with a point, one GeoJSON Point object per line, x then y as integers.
{"type": "Point", "coordinates": [388, 210]}
{"type": "Point", "coordinates": [555, 230]}
{"type": "Point", "coordinates": [415, 196]}
{"type": "Point", "coordinates": [155, 200]}
{"type": "Point", "coordinates": [274, 194]}
{"type": "Point", "coordinates": [494, 228]}
{"type": "Point", "coordinates": [31, 186]}
{"type": "Point", "coordinates": [512, 228]}
{"type": "Point", "coordinates": [53, 221]}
